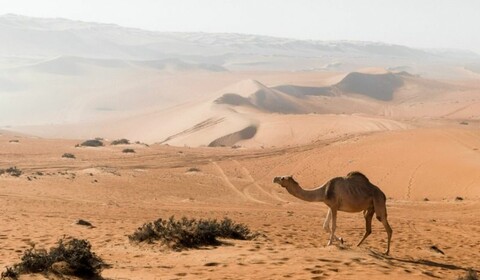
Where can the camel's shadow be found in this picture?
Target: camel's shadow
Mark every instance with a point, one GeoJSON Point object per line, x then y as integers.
{"type": "Point", "coordinates": [390, 260]}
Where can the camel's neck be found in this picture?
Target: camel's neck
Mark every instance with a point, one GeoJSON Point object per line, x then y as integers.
{"type": "Point", "coordinates": [307, 195]}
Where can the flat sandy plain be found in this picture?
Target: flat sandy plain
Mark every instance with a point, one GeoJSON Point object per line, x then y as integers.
{"type": "Point", "coordinates": [119, 192]}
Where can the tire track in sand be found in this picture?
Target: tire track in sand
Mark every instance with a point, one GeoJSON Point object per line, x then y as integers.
{"type": "Point", "coordinates": [242, 193]}
{"type": "Point", "coordinates": [248, 175]}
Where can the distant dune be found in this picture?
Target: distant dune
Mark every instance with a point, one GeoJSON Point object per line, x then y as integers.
{"type": "Point", "coordinates": [302, 91]}
{"type": "Point", "coordinates": [262, 98]}
{"type": "Point", "coordinates": [47, 38]}
{"type": "Point", "coordinates": [252, 114]}
{"type": "Point", "coordinates": [70, 65]}
{"type": "Point", "coordinates": [233, 138]}
{"type": "Point", "coordinates": [378, 86]}
{"type": "Point", "coordinates": [71, 79]}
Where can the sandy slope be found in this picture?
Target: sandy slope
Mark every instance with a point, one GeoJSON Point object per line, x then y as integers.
{"type": "Point", "coordinates": [118, 192]}
{"type": "Point", "coordinates": [309, 104]}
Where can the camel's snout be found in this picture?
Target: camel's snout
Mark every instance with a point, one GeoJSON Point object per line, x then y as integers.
{"type": "Point", "coordinates": [277, 180]}
{"type": "Point", "coordinates": [281, 180]}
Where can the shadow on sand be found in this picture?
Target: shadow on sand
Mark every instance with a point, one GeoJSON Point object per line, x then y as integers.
{"type": "Point", "coordinates": [389, 259]}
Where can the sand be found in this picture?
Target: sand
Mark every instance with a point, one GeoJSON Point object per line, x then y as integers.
{"type": "Point", "coordinates": [217, 117]}
{"type": "Point", "coordinates": [118, 192]}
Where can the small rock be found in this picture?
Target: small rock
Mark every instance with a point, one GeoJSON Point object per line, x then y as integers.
{"type": "Point", "coordinates": [83, 223]}
{"type": "Point", "coordinates": [436, 249]}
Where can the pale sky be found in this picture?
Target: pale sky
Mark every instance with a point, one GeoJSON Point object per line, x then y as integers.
{"type": "Point", "coordinates": [415, 23]}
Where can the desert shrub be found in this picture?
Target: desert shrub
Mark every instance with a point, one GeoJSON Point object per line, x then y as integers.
{"type": "Point", "coordinates": [128, 151]}
{"type": "Point", "coordinates": [140, 143]}
{"type": "Point", "coordinates": [12, 171]}
{"type": "Point", "coordinates": [14, 141]}
{"type": "Point", "coordinates": [193, 169]}
{"type": "Point", "coordinates": [190, 233]}
{"type": "Point", "coordinates": [68, 155]}
{"type": "Point", "coordinates": [76, 253]}
{"type": "Point", "coordinates": [92, 143]}
{"type": "Point", "coordinates": [120, 142]}
{"type": "Point", "coordinates": [469, 275]}
{"type": "Point", "coordinates": [464, 123]}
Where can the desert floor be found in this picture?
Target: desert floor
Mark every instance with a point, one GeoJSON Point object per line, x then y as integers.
{"type": "Point", "coordinates": [119, 192]}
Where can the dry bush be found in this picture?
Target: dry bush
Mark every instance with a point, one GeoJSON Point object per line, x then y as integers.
{"type": "Point", "coordinates": [190, 233]}
{"type": "Point", "coordinates": [92, 143]}
{"type": "Point", "coordinates": [75, 253]}
{"type": "Point", "coordinates": [12, 171]}
{"type": "Point", "coordinates": [128, 151]}
{"type": "Point", "coordinates": [193, 169]}
{"type": "Point", "coordinates": [68, 155]}
{"type": "Point", "coordinates": [120, 142]}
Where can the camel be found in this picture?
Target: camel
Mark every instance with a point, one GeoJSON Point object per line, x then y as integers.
{"type": "Point", "coordinates": [352, 193]}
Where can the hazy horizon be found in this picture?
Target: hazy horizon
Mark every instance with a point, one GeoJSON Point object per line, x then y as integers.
{"type": "Point", "coordinates": [427, 24]}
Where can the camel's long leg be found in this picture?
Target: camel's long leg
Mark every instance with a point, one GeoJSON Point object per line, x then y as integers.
{"type": "Point", "coordinates": [334, 226]}
{"type": "Point", "coordinates": [381, 211]}
{"type": "Point", "coordinates": [326, 225]}
{"type": "Point", "coordinates": [389, 232]}
{"type": "Point", "coordinates": [368, 224]}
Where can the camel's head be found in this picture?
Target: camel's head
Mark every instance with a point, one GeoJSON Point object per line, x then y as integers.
{"type": "Point", "coordinates": [282, 180]}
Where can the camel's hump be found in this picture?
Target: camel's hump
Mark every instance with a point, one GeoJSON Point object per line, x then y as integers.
{"type": "Point", "coordinates": [357, 174]}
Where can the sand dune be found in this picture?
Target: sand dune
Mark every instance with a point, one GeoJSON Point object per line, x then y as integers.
{"type": "Point", "coordinates": [380, 86]}
{"type": "Point", "coordinates": [257, 95]}
{"type": "Point", "coordinates": [73, 65]}
{"type": "Point", "coordinates": [382, 101]}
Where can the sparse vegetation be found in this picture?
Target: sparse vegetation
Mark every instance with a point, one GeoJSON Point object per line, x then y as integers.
{"type": "Point", "coordinates": [464, 123]}
{"type": "Point", "coordinates": [12, 171]}
{"type": "Point", "coordinates": [68, 155]}
{"type": "Point", "coordinates": [469, 275]}
{"type": "Point", "coordinates": [120, 142]}
{"type": "Point", "coordinates": [140, 143]}
{"type": "Point", "coordinates": [92, 143]}
{"type": "Point", "coordinates": [190, 233]}
{"type": "Point", "coordinates": [75, 254]}
{"type": "Point", "coordinates": [128, 151]}
{"type": "Point", "coordinates": [458, 198]}
{"type": "Point", "coordinates": [14, 141]}
{"type": "Point", "coordinates": [193, 169]}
